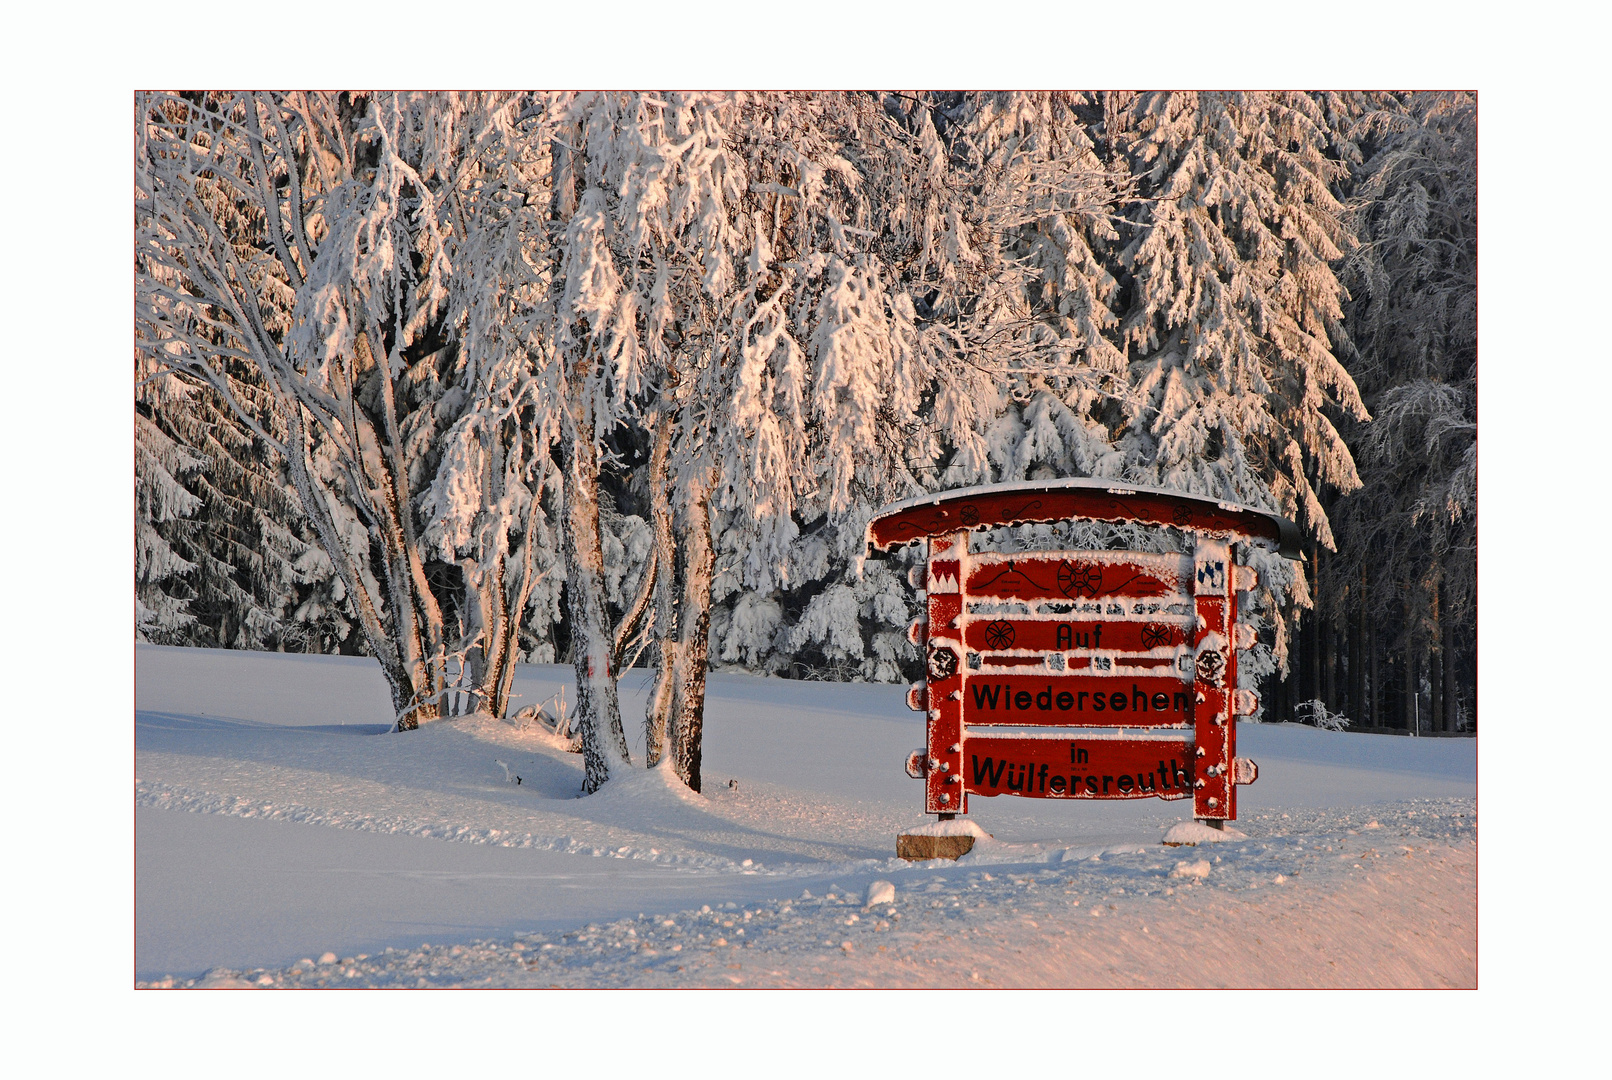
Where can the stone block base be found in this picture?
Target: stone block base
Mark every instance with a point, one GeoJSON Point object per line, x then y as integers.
{"type": "Point", "coordinates": [913, 847]}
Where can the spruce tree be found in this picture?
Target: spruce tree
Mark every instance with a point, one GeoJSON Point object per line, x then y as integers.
{"type": "Point", "coordinates": [1407, 557]}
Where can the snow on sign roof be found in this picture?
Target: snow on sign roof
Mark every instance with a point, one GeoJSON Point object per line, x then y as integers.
{"type": "Point", "coordinates": [992, 505]}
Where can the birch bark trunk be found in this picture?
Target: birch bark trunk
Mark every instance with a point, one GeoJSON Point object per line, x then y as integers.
{"type": "Point", "coordinates": [598, 711]}
{"type": "Point", "coordinates": [694, 625]}
{"type": "Point", "coordinates": [658, 708]}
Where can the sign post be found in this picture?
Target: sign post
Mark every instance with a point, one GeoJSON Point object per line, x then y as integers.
{"type": "Point", "coordinates": [1078, 674]}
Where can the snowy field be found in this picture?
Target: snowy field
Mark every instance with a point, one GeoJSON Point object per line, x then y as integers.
{"type": "Point", "coordinates": [283, 839]}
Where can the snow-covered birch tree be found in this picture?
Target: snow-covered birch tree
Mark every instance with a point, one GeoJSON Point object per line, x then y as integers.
{"type": "Point", "coordinates": [309, 239]}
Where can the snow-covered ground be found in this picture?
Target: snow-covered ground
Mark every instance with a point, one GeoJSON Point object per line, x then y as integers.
{"type": "Point", "coordinates": [283, 840]}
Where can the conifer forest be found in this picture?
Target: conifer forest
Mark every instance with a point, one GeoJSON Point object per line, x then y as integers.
{"type": "Point", "coordinates": [460, 381]}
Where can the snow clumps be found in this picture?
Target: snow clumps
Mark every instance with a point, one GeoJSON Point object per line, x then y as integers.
{"type": "Point", "coordinates": [879, 892]}
{"type": "Point", "coordinates": [954, 827]}
{"type": "Point", "coordinates": [1190, 833]}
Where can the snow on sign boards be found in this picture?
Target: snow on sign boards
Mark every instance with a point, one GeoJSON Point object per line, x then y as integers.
{"type": "Point", "coordinates": [1081, 674]}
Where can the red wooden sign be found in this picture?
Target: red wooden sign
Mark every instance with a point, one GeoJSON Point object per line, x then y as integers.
{"type": "Point", "coordinates": [1080, 674]}
{"type": "Point", "coordinates": [1076, 700]}
{"type": "Point", "coordinates": [1113, 768]}
{"type": "Point", "coordinates": [991, 505]}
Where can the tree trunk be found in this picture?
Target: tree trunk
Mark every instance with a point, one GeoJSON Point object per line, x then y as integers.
{"type": "Point", "coordinates": [1287, 689]}
{"type": "Point", "coordinates": [658, 707]}
{"type": "Point", "coordinates": [411, 701]}
{"type": "Point", "coordinates": [1375, 673]}
{"type": "Point", "coordinates": [694, 625]}
{"type": "Point", "coordinates": [1329, 664]}
{"type": "Point", "coordinates": [1386, 698]}
{"type": "Point", "coordinates": [1452, 698]}
{"type": "Point", "coordinates": [1347, 663]}
{"type": "Point", "coordinates": [1413, 689]}
{"type": "Point", "coordinates": [598, 712]}
{"type": "Point", "coordinates": [1357, 655]}
{"type": "Point", "coordinates": [1315, 688]}
{"type": "Point", "coordinates": [417, 623]}
{"type": "Point", "coordinates": [502, 674]}
{"type": "Point", "coordinates": [1435, 669]}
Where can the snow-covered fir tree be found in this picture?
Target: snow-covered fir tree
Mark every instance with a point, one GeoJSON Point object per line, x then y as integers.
{"type": "Point", "coordinates": [208, 497]}
{"type": "Point", "coordinates": [1401, 593]}
{"type": "Point", "coordinates": [1233, 313]}
{"type": "Point", "coordinates": [161, 595]}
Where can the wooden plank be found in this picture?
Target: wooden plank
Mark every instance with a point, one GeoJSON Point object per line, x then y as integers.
{"type": "Point", "coordinates": [1215, 679]}
{"type": "Point", "coordinates": [1077, 575]}
{"type": "Point", "coordinates": [1077, 700]}
{"type": "Point", "coordinates": [1158, 636]}
{"type": "Point", "coordinates": [1076, 499]}
{"type": "Point", "coordinates": [948, 558]}
{"type": "Point", "coordinates": [1113, 768]}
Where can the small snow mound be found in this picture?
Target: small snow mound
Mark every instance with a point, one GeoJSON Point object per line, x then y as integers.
{"type": "Point", "coordinates": [328, 958]}
{"type": "Point", "coordinates": [216, 979]}
{"type": "Point", "coordinates": [954, 827]}
{"type": "Point", "coordinates": [1190, 833]}
{"type": "Point", "coordinates": [508, 734]}
{"type": "Point", "coordinates": [880, 892]}
{"type": "Point", "coordinates": [648, 786]}
{"type": "Point", "coordinates": [1199, 869]}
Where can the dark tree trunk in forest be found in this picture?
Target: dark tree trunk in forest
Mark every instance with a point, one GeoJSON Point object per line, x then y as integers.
{"type": "Point", "coordinates": [1315, 687]}
{"type": "Point", "coordinates": [1375, 673]}
{"type": "Point", "coordinates": [1435, 670]}
{"type": "Point", "coordinates": [1329, 663]}
{"type": "Point", "coordinates": [1282, 700]}
{"type": "Point", "coordinates": [1413, 680]}
{"type": "Point", "coordinates": [1358, 653]}
{"type": "Point", "coordinates": [1452, 698]}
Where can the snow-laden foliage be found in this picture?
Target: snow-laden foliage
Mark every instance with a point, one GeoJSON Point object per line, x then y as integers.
{"type": "Point", "coordinates": [620, 377]}
{"type": "Point", "coordinates": [223, 552]}
{"type": "Point", "coordinates": [1135, 286]}
{"type": "Point", "coordinates": [306, 239]}
{"type": "Point", "coordinates": [1235, 306]}
{"type": "Point", "coordinates": [161, 598]}
{"type": "Point", "coordinates": [1415, 313]}
{"type": "Point", "coordinates": [1407, 558]}
{"type": "Point", "coordinates": [1315, 712]}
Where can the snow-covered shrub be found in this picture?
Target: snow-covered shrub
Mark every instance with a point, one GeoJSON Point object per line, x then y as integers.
{"type": "Point", "coordinates": [1316, 712]}
{"type": "Point", "coordinates": [744, 633]}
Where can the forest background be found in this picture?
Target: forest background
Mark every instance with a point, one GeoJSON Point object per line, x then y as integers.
{"type": "Point", "coordinates": [464, 380]}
